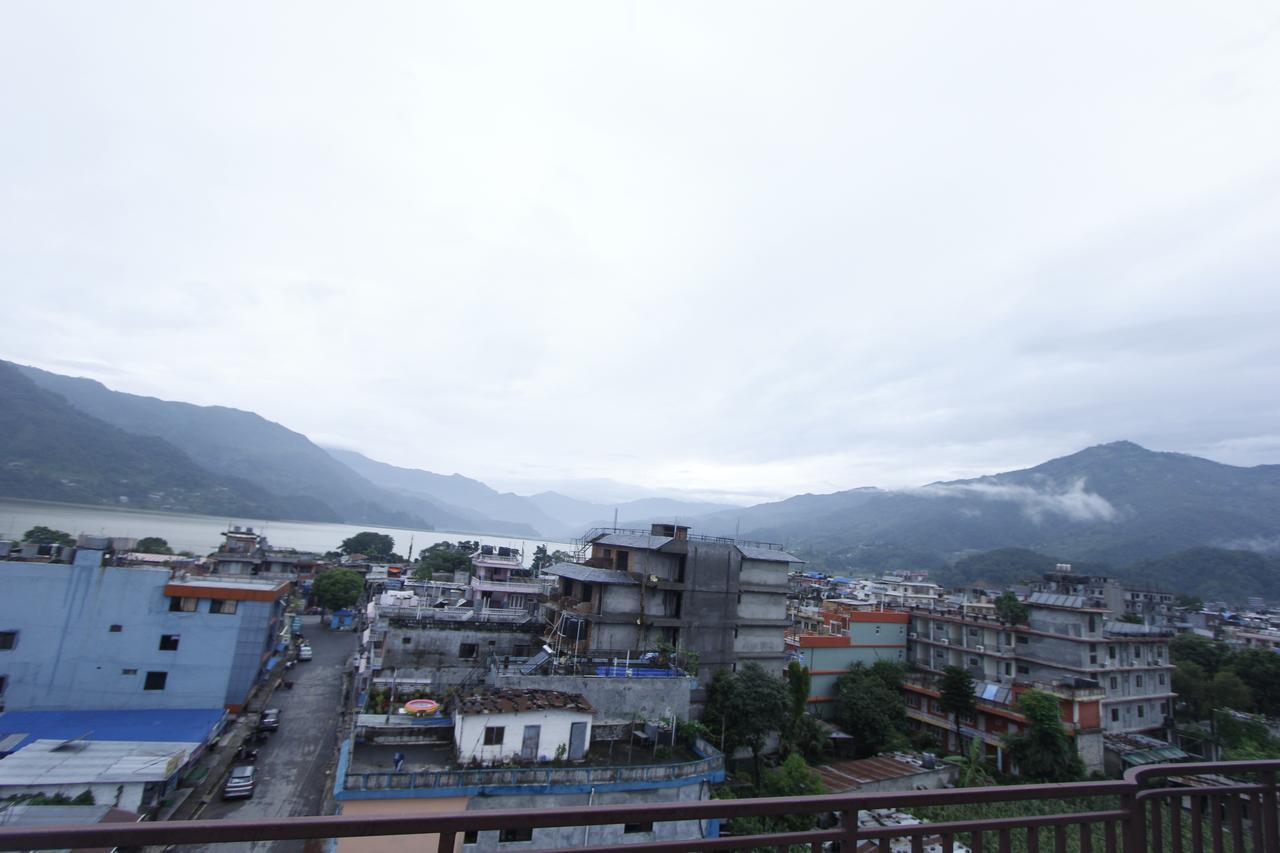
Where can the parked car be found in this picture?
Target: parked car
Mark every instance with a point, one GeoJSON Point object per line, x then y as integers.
{"type": "Point", "coordinates": [304, 651]}
{"type": "Point", "coordinates": [270, 720]}
{"type": "Point", "coordinates": [241, 782]}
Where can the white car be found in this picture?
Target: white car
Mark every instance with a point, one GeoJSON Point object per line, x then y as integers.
{"type": "Point", "coordinates": [304, 651]}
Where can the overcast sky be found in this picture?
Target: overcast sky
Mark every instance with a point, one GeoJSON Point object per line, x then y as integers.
{"type": "Point", "coordinates": [740, 250]}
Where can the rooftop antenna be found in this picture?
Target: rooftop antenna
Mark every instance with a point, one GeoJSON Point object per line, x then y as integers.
{"type": "Point", "coordinates": [615, 518]}
{"type": "Point", "coordinates": [410, 547]}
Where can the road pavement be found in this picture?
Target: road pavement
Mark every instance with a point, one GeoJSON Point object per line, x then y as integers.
{"type": "Point", "coordinates": [296, 764]}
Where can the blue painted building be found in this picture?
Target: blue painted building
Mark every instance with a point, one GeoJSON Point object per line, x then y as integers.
{"type": "Point", "coordinates": [84, 636]}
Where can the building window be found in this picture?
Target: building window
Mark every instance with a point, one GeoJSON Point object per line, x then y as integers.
{"type": "Point", "coordinates": [1142, 711]}
{"type": "Point", "coordinates": [116, 629]}
{"type": "Point", "coordinates": [524, 833]}
{"type": "Point", "coordinates": [218, 605]}
{"type": "Point", "coordinates": [468, 651]}
{"type": "Point", "coordinates": [1164, 707]}
{"type": "Point", "coordinates": [1115, 715]}
{"type": "Point", "coordinates": [1114, 682]}
{"type": "Point", "coordinates": [632, 828]}
{"type": "Point", "coordinates": [1008, 668]}
{"type": "Point", "coordinates": [1093, 623]}
{"type": "Point", "coordinates": [168, 642]}
{"type": "Point", "coordinates": [1137, 681]}
{"type": "Point", "coordinates": [973, 661]}
{"type": "Point", "coordinates": [178, 604]}
{"type": "Point", "coordinates": [155, 681]}
{"type": "Point", "coordinates": [128, 672]}
{"type": "Point", "coordinates": [404, 641]}
{"type": "Point", "coordinates": [1161, 677]}
{"type": "Point", "coordinates": [1024, 670]}
{"type": "Point", "coordinates": [471, 836]}
{"type": "Point", "coordinates": [493, 735]}
{"type": "Point", "coordinates": [1111, 652]}
{"type": "Point", "coordinates": [8, 639]}
{"type": "Point", "coordinates": [4, 682]}
{"type": "Point", "coordinates": [1023, 639]}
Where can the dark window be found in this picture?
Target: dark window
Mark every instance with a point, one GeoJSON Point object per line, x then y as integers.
{"type": "Point", "coordinates": [629, 828]}
{"type": "Point", "coordinates": [1093, 625]}
{"type": "Point", "coordinates": [4, 681]}
{"type": "Point", "coordinates": [182, 605]}
{"type": "Point", "coordinates": [1114, 683]}
{"type": "Point", "coordinates": [1023, 639]}
{"type": "Point", "coordinates": [524, 833]}
{"type": "Point", "coordinates": [493, 642]}
{"type": "Point", "coordinates": [168, 642]}
{"type": "Point", "coordinates": [1024, 670]}
{"type": "Point", "coordinates": [128, 672]}
{"type": "Point", "coordinates": [155, 681]}
{"type": "Point", "coordinates": [623, 557]}
{"type": "Point", "coordinates": [521, 651]}
{"type": "Point", "coordinates": [1137, 681]}
{"type": "Point", "coordinates": [493, 735]}
{"type": "Point", "coordinates": [1142, 711]}
{"type": "Point", "coordinates": [8, 639]}
{"type": "Point", "coordinates": [1115, 715]}
{"type": "Point", "coordinates": [470, 837]}
{"type": "Point", "coordinates": [1162, 679]}
{"type": "Point", "coordinates": [116, 629]}
{"type": "Point", "coordinates": [467, 650]}
{"type": "Point", "coordinates": [218, 605]}
{"type": "Point", "coordinates": [404, 641]}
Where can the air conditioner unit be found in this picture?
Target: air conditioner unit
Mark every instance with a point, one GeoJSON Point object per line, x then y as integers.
{"type": "Point", "coordinates": [945, 641]}
{"type": "Point", "coordinates": [979, 648]}
{"type": "Point", "coordinates": [913, 635]}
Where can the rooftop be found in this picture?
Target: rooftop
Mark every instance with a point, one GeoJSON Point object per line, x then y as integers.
{"type": "Point", "coordinates": [58, 762]}
{"type": "Point", "coordinates": [190, 725]}
{"type": "Point", "coordinates": [589, 574]}
{"type": "Point", "coordinates": [841, 776]}
{"type": "Point", "coordinates": [512, 701]}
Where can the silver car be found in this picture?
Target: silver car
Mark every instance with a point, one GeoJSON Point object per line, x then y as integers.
{"type": "Point", "coordinates": [241, 782]}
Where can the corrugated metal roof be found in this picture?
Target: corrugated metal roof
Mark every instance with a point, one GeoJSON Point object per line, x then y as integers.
{"type": "Point", "coordinates": [589, 574]}
{"type": "Point", "coordinates": [186, 725]}
{"type": "Point", "coordinates": [634, 540]}
{"type": "Point", "coordinates": [1130, 629]}
{"type": "Point", "coordinates": [773, 555]}
{"type": "Point", "coordinates": [1053, 599]}
{"type": "Point", "coordinates": [516, 701]}
{"type": "Point", "coordinates": [49, 762]}
{"type": "Point", "coordinates": [841, 776]}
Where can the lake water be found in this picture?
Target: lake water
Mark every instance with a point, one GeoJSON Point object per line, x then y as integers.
{"type": "Point", "coordinates": [202, 534]}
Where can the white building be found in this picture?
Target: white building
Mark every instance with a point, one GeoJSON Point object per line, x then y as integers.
{"type": "Point", "coordinates": [529, 725]}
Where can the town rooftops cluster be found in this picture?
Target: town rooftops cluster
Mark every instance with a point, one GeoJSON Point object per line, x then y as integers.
{"type": "Point", "coordinates": [511, 701]}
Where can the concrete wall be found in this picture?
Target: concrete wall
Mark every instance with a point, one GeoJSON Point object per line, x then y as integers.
{"type": "Point", "coordinates": [406, 807]}
{"type": "Point", "coordinates": [67, 656]}
{"type": "Point", "coordinates": [427, 648]}
{"type": "Point", "coordinates": [616, 700]}
{"type": "Point", "coordinates": [764, 572]}
{"type": "Point", "coordinates": [469, 734]}
{"type": "Point", "coordinates": [127, 795]}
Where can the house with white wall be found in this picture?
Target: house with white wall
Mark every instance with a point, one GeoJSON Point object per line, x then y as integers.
{"type": "Point", "coordinates": [525, 725]}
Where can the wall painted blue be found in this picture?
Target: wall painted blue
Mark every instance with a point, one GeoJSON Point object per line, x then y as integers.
{"type": "Point", "coordinates": [67, 656]}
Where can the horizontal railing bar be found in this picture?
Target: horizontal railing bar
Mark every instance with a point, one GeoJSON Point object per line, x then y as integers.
{"type": "Point", "coordinates": [1136, 775]}
{"type": "Point", "coordinates": [724, 842]}
{"type": "Point", "coordinates": [1200, 792]}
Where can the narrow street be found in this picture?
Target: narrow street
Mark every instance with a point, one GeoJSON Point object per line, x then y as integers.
{"type": "Point", "coordinates": [296, 763]}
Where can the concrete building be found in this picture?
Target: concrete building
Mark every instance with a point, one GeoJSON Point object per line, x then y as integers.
{"type": "Point", "coordinates": [634, 591]}
{"type": "Point", "coordinates": [1066, 640]}
{"type": "Point", "coordinates": [529, 725]}
{"type": "Point", "coordinates": [84, 636]}
{"type": "Point", "coordinates": [501, 581]}
{"type": "Point", "coordinates": [865, 637]}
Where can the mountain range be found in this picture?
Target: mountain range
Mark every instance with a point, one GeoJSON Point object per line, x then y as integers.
{"type": "Point", "coordinates": [70, 439]}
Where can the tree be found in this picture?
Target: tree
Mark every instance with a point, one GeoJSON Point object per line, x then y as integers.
{"type": "Point", "coordinates": [443, 557]}
{"type": "Point", "coordinates": [1131, 618]}
{"type": "Point", "coordinates": [747, 706]}
{"type": "Point", "coordinates": [153, 545]}
{"type": "Point", "coordinates": [871, 711]}
{"type": "Point", "coordinates": [42, 535]}
{"type": "Point", "coordinates": [793, 778]}
{"type": "Point", "coordinates": [1189, 602]}
{"type": "Point", "coordinates": [973, 767]}
{"type": "Point", "coordinates": [379, 546]}
{"type": "Point", "coordinates": [798, 683]}
{"type": "Point", "coordinates": [1260, 669]}
{"type": "Point", "coordinates": [956, 698]}
{"type": "Point", "coordinates": [1211, 656]}
{"type": "Point", "coordinates": [542, 559]}
{"type": "Point", "coordinates": [1189, 682]}
{"type": "Point", "coordinates": [1043, 752]}
{"type": "Point", "coordinates": [1228, 690]}
{"type": "Point", "coordinates": [1010, 610]}
{"type": "Point", "coordinates": [338, 588]}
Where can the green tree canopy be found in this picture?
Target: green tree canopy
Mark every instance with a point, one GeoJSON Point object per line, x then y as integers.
{"type": "Point", "coordinates": [445, 557]}
{"type": "Point", "coordinates": [1260, 670]}
{"type": "Point", "coordinates": [1043, 752]}
{"type": "Point", "coordinates": [956, 698]}
{"type": "Point", "coordinates": [1228, 690]}
{"type": "Point", "coordinates": [369, 543]}
{"type": "Point", "coordinates": [338, 588]}
{"type": "Point", "coordinates": [1209, 655]}
{"type": "Point", "coordinates": [42, 535]}
{"type": "Point", "coordinates": [747, 706]}
{"type": "Point", "coordinates": [153, 545]}
{"type": "Point", "coordinates": [869, 709]}
{"type": "Point", "coordinates": [1010, 610]}
{"type": "Point", "coordinates": [1191, 682]}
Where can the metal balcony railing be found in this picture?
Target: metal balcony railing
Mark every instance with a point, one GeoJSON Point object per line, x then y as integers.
{"type": "Point", "coordinates": [1179, 807]}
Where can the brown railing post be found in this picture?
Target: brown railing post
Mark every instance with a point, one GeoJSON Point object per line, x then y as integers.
{"type": "Point", "coordinates": [1268, 817]}
{"type": "Point", "coordinates": [849, 819]}
{"type": "Point", "coordinates": [448, 841]}
{"type": "Point", "coordinates": [1135, 834]}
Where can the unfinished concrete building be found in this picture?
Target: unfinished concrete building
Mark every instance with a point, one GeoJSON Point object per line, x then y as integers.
{"type": "Point", "coordinates": [633, 592]}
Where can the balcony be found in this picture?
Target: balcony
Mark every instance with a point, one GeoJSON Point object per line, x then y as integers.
{"type": "Point", "coordinates": [525, 586]}
{"type": "Point", "coordinates": [1182, 807]}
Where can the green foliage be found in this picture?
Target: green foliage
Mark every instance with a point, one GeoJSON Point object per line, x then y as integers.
{"type": "Point", "coordinates": [1190, 682]}
{"type": "Point", "coordinates": [48, 536]}
{"type": "Point", "coordinates": [956, 696]}
{"type": "Point", "coordinates": [871, 709]}
{"type": "Point", "coordinates": [153, 545]}
{"type": "Point", "coordinates": [747, 706]}
{"type": "Point", "coordinates": [1260, 670]}
{"type": "Point", "coordinates": [338, 588]}
{"type": "Point", "coordinates": [1043, 752]}
{"type": "Point", "coordinates": [1209, 675]}
{"type": "Point", "coordinates": [1189, 602]}
{"type": "Point", "coordinates": [542, 558]}
{"type": "Point", "coordinates": [974, 770]}
{"type": "Point", "coordinates": [444, 558]}
{"type": "Point", "coordinates": [1130, 618]}
{"type": "Point", "coordinates": [1228, 690]}
{"type": "Point", "coordinates": [377, 546]}
{"type": "Point", "coordinates": [792, 778]}
{"type": "Point", "coordinates": [1010, 610]}
{"type": "Point", "coordinates": [1209, 655]}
